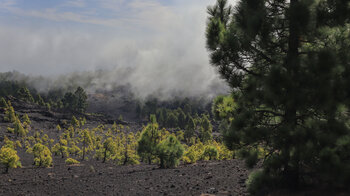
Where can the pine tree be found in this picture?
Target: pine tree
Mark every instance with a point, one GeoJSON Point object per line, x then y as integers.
{"type": "Point", "coordinates": [75, 122]}
{"type": "Point", "coordinates": [139, 110]}
{"type": "Point", "coordinates": [26, 119]}
{"type": "Point", "coordinates": [182, 119]}
{"type": "Point", "coordinates": [61, 148]}
{"type": "Point", "coordinates": [18, 128]}
{"type": "Point", "coordinates": [169, 152]}
{"type": "Point", "coordinates": [40, 100]}
{"type": "Point", "coordinates": [109, 149]}
{"type": "Point", "coordinates": [172, 120]}
{"type": "Point", "coordinates": [69, 101]}
{"type": "Point", "coordinates": [87, 142]}
{"type": "Point", "coordinates": [190, 127]}
{"type": "Point", "coordinates": [130, 155]}
{"type": "Point", "coordinates": [42, 155]}
{"type": "Point", "coordinates": [3, 103]}
{"type": "Point", "coordinates": [148, 141]}
{"type": "Point", "coordinates": [206, 129]}
{"type": "Point", "coordinates": [187, 108]}
{"type": "Point", "coordinates": [81, 101]}
{"type": "Point", "coordinates": [10, 115]}
{"type": "Point", "coordinates": [223, 107]}
{"type": "Point", "coordinates": [24, 94]}
{"type": "Point", "coordinates": [58, 127]}
{"type": "Point", "coordinates": [288, 64]}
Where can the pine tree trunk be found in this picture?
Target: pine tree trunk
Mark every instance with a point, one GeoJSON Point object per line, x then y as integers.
{"type": "Point", "coordinates": [83, 150]}
{"type": "Point", "coordinates": [149, 160]}
{"type": "Point", "coordinates": [126, 154]}
{"type": "Point", "coordinates": [62, 154]}
{"type": "Point", "coordinates": [292, 65]}
{"type": "Point", "coordinates": [105, 155]}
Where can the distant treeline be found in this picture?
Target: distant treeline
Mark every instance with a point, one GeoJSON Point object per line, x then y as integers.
{"type": "Point", "coordinates": [58, 99]}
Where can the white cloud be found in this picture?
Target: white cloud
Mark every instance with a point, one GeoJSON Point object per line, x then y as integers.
{"type": "Point", "coordinates": [173, 59]}
{"type": "Point", "coordinates": [75, 3]}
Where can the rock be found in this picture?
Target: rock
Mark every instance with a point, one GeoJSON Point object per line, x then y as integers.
{"type": "Point", "coordinates": [208, 177]}
{"type": "Point", "coordinates": [212, 190]}
{"type": "Point", "coordinates": [241, 181]}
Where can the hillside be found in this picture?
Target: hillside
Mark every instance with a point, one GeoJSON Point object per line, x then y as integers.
{"type": "Point", "coordinates": [94, 177]}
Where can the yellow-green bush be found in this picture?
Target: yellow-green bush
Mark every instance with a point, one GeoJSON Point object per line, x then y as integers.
{"type": "Point", "coordinates": [71, 161]}
{"type": "Point", "coordinates": [9, 158]}
{"type": "Point", "coordinates": [198, 151]}
{"type": "Point", "coordinates": [42, 155]}
{"type": "Point", "coordinates": [210, 153]}
{"type": "Point", "coordinates": [194, 152]}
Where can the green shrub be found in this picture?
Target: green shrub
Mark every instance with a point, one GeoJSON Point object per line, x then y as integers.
{"type": "Point", "coordinates": [194, 152]}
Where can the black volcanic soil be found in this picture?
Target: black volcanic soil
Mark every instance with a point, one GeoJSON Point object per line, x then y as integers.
{"type": "Point", "coordinates": [94, 178]}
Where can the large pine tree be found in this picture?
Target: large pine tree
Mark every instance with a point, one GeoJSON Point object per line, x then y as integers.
{"type": "Point", "coordinates": [288, 63]}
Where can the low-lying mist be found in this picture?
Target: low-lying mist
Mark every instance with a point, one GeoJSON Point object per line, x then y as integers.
{"type": "Point", "coordinates": [141, 87]}
{"type": "Point", "coordinates": [160, 55]}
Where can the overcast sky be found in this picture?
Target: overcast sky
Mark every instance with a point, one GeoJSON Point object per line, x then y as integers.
{"type": "Point", "coordinates": [162, 39]}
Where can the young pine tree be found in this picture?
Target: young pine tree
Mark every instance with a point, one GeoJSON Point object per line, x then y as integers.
{"type": "Point", "coordinates": [10, 115]}
{"type": "Point", "coordinates": [169, 152]}
{"type": "Point", "coordinates": [87, 142]}
{"type": "Point", "coordinates": [42, 155]}
{"type": "Point", "coordinates": [40, 100]}
{"type": "Point", "coordinates": [9, 158]}
{"type": "Point", "coordinates": [75, 122]}
{"type": "Point", "coordinates": [3, 103]}
{"type": "Point", "coordinates": [19, 130]}
{"type": "Point", "coordinates": [24, 94]}
{"type": "Point", "coordinates": [190, 128]}
{"type": "Point", "coordinates": [206, 130]}
{"type": "Point", "coordinates": [81, 100]}
{"type": "Point", "coordinates": [109, 149]}
{"type": "Point", "coordinates": [130, 145]}
{"type": "Point", "coordinates": [148, 141]}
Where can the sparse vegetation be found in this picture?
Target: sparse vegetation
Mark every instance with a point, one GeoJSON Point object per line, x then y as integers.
{"type": "Point", "coordinates": [9, 158]}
